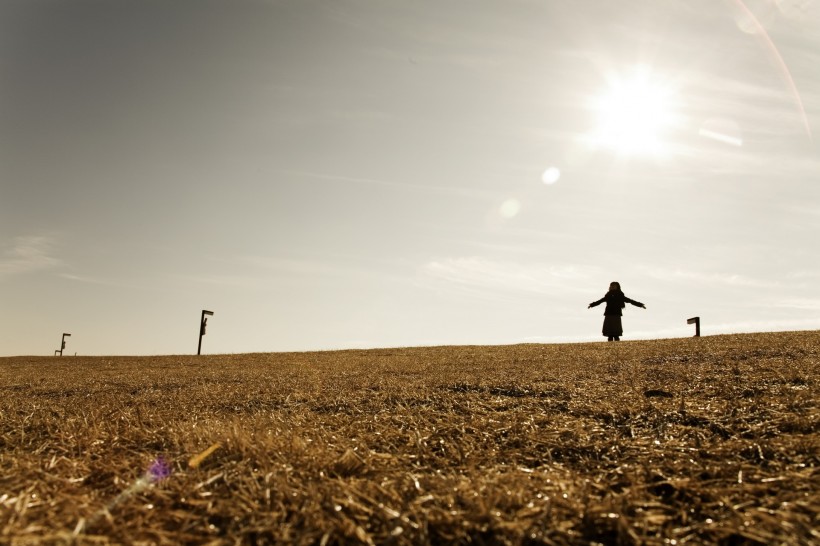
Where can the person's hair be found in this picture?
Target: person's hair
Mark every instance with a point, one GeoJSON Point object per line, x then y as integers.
{"type": "Point", "coordinates": [614, 286]}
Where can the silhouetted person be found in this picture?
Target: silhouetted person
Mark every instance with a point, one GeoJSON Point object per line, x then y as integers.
{"type": "Point", "coordinates": [615, 301]}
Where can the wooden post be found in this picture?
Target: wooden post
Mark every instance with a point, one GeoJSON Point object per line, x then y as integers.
{"type": "Point", "coordinates": [696, 322]}
{"type": "Point", "coordinates": [62, 344]}
{"type": "Point", "coordinates": [203, 323]}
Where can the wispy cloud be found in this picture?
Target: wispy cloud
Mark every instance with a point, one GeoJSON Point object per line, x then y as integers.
{"type": "Point", "coordinates": [751, 99]}
{"type": "Point", "coordinates": [247, 282]}
{"type": "Point", "coordinates": [719, 278]}
{"type": "Point", "coordinates": [809, 210]}
{"type": "Point", "coordinates": [804, 275]}
{"type": "Point", "coordinates": [807, 304]}
{"type": "Point", "coordinates": [473, 62]}
{"type": "Point", "coordinates": [764, 326]}
{"type": "Point", "coordinates": [27, 254]}
{"type": "Point", "coordinates": [261, 272]}
{"type": "Point", "coordinates": [99, 281]}
{"type": "Point", "coordinates": [483, 274]}
{"type": "Point", "coordinates": [739, 327]}
{"type": "Point", "coordinates": [425, 188]}
{"type": "Point", "coordinates": [289, 265]}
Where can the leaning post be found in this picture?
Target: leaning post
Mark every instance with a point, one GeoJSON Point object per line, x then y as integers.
{"type": "Point", "coordinates": [62, 345]}
{"type": "Point", "coordinates": [203, 324]}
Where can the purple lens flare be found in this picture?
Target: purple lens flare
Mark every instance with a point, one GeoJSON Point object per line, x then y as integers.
{"type": "Point", "coordinates": [159, 469]}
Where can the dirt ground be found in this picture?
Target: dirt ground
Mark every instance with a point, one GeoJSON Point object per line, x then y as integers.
{"type": "Point", "coordinates": [712, 440]}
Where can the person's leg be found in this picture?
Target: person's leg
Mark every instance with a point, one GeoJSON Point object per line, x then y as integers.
{"type": "Point", "coordinates": [617, 338]}
{"type": "Point", "coordinates": [609, 338]}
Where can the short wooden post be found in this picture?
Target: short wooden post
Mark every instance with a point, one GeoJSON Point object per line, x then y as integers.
{"type": "Point", "coordinates": [696, 322]}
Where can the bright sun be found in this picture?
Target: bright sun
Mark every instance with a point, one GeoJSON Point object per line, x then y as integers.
{"type": "Point", "coordinates": [633, 115]}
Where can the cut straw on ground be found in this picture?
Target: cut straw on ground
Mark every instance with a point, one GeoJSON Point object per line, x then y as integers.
{"type": "Point", "coordinates": [692, 441]}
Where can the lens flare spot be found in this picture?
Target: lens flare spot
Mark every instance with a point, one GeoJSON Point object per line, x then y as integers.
{"type": "Point", "coordinates": [747, 24]}
{"type": "Point", "coordinates": [722, 130]}
{"type": "Point", "coordinates": [510, 208]}
{"type": "Point", "coordinates": [159, 469]}
{"type": "Point", "coordinates": [551, 175]}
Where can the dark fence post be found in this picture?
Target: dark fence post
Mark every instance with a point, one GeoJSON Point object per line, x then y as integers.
{"type": "Point", "coordinates": [203, 324]}
{"type": "Point", "coordinates": [62, 345]}
{"type": "Point", "coordinates": [696, 322]}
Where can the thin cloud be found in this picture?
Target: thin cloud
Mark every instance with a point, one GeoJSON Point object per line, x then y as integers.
{"type": "Point", "coordinates": [83, 279]}
{"type": "Point", "coordinates": [289, 266]}
{"type": "Point", "coordinates": [762, 109]}
{"type": "Point", "coordinates": [804, 275]}
{"type": "Point", "coordinates": [725, 328]}
{"type": "Point", "coordinates": [722, 279]}
{"type": "Point", "coordinates": [327, 267]}
{"type": "Point", "coordinates": [807, 304]}
{"type": "Point", "coordinates": [28, 254]}
{"type": "Point", "coordinates": [764, 326]}
{"type": "Point", "coordinates": [804, 208]}
{"type": "Point", "coordinates": [441, 190]}
{"type": "Point", "coordinates": [99, 281]}
{"type": "Point", "coordinates": [477, 273]}
{"type": "Point", "coordinates": [475, 62]}
{"type": "Point", "coordinates": [258, 272]}
{"type": "Point", "coordinates": [246, 282]}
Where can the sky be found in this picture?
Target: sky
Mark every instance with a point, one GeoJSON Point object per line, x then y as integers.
{"type": "Point", "coordinates": [378, 173]}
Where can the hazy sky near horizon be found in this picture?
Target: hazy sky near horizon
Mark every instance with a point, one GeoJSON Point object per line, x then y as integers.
{"type": "Point", "coordinates": [362, 173]}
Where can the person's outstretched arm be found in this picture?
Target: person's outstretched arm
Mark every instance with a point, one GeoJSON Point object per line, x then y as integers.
{"type": "Point", "coordinates": [594, 303]}
{"type": "Point", "coordinates": [635, 303]}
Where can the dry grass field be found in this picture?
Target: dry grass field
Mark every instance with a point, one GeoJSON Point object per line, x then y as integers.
{"type": "Point", "coordinates": [713, 440]}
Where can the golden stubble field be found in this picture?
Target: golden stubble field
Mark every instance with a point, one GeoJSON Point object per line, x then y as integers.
{"type": "Point", "coordinates": [689, 441]}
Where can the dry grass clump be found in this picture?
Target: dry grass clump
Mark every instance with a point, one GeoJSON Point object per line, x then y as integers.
{"type": "Point", "coordinates": [694, 441]}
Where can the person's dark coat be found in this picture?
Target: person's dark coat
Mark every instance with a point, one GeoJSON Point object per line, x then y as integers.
{"type": "Point", "coordinates": [615, 302]}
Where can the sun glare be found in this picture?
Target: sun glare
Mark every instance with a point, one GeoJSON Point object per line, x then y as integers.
{"type": "Point", "coordinates": [633, 115]}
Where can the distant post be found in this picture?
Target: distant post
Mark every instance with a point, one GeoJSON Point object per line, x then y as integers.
{"type": "Point", "coordinates": [203, 324]}
{"type": "Point", "coordinates": [696, 322]}
{"type": "Point", "coordinates": [62, 345]}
